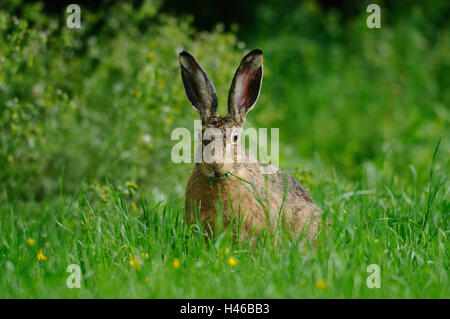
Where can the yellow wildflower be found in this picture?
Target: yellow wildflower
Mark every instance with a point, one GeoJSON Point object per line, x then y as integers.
{"type": "Point", "coordinates": [132, 185]}
{"type": "Point", "coordinates": [137, 93]}
{"type": "Point", "coordinates": [321, 284]}
{"type": "Point", "coordinates": [30, 242]}
{"type": "Point", "coordinates": [103, 198]}
{"type": "Point", "coordinates": [176, 263]}
{"type": "Point", "coordinates": [145, 255]}
{"type": "Point", "coordinates": [40, 256]}
{"type": "Point", "coordinates": [232, 262]}
{"type": "Point", "coordinates": [134, 262]}
{"type": "Point", "coordinates": [134, 207]}
{"type": "Point", "coordinates": [150, 56]}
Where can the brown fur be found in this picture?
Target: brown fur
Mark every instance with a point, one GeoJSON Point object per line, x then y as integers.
{"type": "Point", "coordinates": [238, 200]}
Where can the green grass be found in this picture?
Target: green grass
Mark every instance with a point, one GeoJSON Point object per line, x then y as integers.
{"type": "Point", "coordinates": [402, 229]}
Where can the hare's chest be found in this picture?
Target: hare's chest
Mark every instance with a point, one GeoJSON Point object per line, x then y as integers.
{"type": "Point", "coordinates": [205, 200]}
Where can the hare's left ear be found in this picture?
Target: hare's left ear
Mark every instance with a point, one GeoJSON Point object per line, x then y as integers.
{"type": "Point", "coordinates": [246, 84]}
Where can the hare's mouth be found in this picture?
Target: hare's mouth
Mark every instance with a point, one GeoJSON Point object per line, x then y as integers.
{"type": "Point", "coordinates": [213, 171]}
{"type": "Point", "coordinates": [218, 175]}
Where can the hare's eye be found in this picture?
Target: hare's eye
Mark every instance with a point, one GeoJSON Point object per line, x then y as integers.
{"type": "Point", "coordinates": [235, 136]}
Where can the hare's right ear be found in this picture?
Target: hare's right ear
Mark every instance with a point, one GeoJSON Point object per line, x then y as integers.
{"type": "Point", "coordinates": [246, 84]}
{"type": "Point", "coordinates": [199, 88]}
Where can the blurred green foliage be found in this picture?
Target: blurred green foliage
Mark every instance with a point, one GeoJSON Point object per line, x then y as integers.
{"type": "Point", "coordinates": [353, 96]}
{"type": "Point", "coordinates": [78, 104]}
{"type": "Point", "coordinates": [101, 101]}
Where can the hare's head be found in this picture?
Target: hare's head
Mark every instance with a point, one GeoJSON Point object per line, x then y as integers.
{"type": "Point", "coordinates": [220, 134]}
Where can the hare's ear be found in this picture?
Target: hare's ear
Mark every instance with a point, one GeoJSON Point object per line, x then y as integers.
{"type": "Point", "coordinates": [198, 87]}
{"type": "Point", "coordinates": [246, 84]}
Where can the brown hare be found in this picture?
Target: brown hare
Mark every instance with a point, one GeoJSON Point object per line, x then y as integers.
{"type": "Point", "coordinates": [242, 188]}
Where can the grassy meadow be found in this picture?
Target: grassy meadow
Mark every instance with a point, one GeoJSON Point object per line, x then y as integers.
{"type": "Point", "coordinates": [86, 176]}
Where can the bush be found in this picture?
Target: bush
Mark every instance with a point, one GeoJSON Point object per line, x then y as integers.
{"type": "Point", "coordinates": [356, 97]}
{"type": "Point", "coordinates": [101, 101]}
{"type": "Point", "coordinates": [98, 102]}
